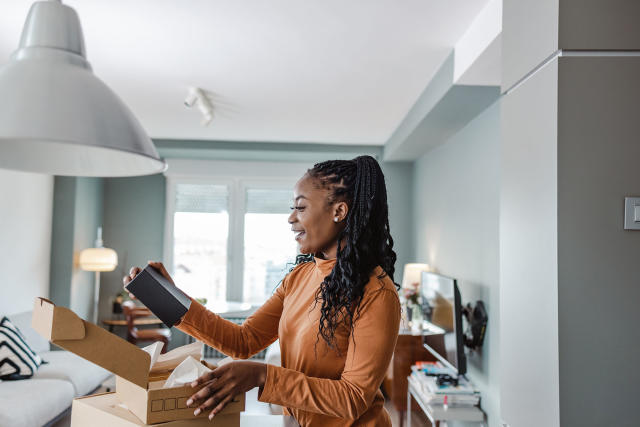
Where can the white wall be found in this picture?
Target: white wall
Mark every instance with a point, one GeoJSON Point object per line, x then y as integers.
{"type": "Point", "coordinates": [456, 217]}
{"type": "Point", "coordinates": [529, 253]}
{"type": "Point", "coordinates": [26, 202]}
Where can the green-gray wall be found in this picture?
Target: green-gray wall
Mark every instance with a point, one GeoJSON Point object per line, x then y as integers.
{"type": "Point", "coordinates": [399, 180]}
{"type": "Point", "coordinates": [77, 214]}
{"type": "Point", "coordinates": [133, 227]}
{"type": "Point", "coordinates": [456, 227]}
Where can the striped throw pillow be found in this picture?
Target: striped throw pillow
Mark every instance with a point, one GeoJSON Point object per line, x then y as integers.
{"type": "Point", "coordinates": [17, 360]}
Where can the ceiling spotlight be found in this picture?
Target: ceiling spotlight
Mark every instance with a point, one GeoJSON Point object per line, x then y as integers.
{"type": "Point", "coordinates": [196, 97]}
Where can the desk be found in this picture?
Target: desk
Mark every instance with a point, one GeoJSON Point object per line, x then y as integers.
{"type": "Point", "coordinates": [467, 415]}
{"type": "Point", "coordinates": [146, 321]}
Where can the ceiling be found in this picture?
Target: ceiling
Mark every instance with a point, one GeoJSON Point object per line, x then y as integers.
{"type": "Point", "coordinates": [341, 72]}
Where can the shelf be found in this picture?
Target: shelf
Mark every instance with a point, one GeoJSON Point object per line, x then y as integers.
{"type": "Point", "coordinates": [472, 415]}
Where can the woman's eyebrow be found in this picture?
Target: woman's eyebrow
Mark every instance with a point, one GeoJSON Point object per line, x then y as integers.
{"type": "Point", "coordinates": [299, 197]}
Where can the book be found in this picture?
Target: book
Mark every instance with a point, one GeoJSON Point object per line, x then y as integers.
{"type": "Point", "coordinates": [430, 382]}
{"type": "Point", "coordinates": [440, 399]}
{"type": "Point", "coordinates": [432, 368]}
{"type": "Point", "coordinates": [456, 413]}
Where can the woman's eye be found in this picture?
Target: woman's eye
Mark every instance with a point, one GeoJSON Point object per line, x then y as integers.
{"type": "Point", "coordinates": [298, 208]}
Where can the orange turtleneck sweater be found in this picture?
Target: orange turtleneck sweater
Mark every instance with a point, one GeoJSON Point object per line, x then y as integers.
{"type": "Point", "coordinates": [317, 385]}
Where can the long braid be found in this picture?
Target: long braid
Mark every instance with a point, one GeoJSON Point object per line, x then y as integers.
{"type": "Point", "coordinates": [366, 236]}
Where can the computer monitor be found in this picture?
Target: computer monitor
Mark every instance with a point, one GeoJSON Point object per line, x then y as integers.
{"type": "Point", "coordinates": [442, 328]}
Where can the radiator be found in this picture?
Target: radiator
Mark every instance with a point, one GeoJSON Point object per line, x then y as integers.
{"type": "Point", "coordinates": [210, 352]}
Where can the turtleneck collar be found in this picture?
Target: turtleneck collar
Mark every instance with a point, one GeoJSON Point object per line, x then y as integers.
{"type": "Point", "coordinates": [324, 266]}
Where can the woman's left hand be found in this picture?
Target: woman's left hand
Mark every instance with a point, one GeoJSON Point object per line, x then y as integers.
{"type": "Point", "coordinates": [224, 383]}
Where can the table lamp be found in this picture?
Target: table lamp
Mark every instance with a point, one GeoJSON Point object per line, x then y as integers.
{"type": "Point", "coordinates": [411, 294]}
{"type": "Point", "coordinates": [98, 259]}
{"type": "Point", "coordinates": [411, 275]}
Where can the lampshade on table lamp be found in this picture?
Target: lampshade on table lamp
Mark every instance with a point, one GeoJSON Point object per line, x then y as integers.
{"type": "Point", "coordinates": [411, 275]}
{"type": "Point", "coordinates": [410, 293]}
{"type": "Point", "coordinates": [98, 259]}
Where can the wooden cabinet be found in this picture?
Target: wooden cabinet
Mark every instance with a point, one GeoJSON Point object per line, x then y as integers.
{"type": "Point", "coordinates": [409, 350]}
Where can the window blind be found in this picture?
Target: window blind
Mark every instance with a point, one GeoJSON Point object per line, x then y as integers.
{"type": "Point", "coordinates": [269, 201]}
{"type": "Point", "coordinates": [201, 198]}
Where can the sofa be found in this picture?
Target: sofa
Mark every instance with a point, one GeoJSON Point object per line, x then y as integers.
{"type": "Point", "coordinates": [47, 396]}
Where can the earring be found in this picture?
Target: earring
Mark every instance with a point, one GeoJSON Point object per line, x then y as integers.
{"type": "Point", "coordinates": [335, 219]}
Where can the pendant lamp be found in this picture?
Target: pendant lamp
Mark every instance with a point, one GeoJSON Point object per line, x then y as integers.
{"type": "Point", "coordinates": [56, 116]}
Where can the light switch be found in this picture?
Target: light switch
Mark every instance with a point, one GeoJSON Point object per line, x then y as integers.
{"type": "Point", "coordinates": [632, 213]}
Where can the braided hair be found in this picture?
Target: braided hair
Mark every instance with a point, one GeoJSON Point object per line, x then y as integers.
{"type": "Point", "coordinates": [364, 243]}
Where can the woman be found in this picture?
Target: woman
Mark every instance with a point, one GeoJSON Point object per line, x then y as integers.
{"type": "Point", "coordinates": [336, 313]}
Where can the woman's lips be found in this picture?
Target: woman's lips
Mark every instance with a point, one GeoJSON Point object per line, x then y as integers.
{"type": "Point", "coordinates": [299, 235]}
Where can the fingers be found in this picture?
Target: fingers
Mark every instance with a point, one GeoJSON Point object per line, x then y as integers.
{"type": "Point", "coordinates": [211, 379]}
{"type": "Point", "coordinates": [160, 267]}
{"type": "Point", "coordinates": [205, 393]}
{"type": "Point", "coordinates": [221, 405]}
{"type": "Point", "coordinates": [132, 274]}
{"type": "Point", "coordinates": [213, 401]}
{"type": "Point", "coordinates": [129, 277]}
{"type": "Point", "coordinates": [205, 378]}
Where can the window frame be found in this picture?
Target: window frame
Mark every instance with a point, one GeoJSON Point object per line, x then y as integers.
{"type": "Point", "coordinates": [276, 175]}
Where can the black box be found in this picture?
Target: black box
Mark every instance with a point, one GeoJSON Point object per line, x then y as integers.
{"type": "Point", "coordinates": [160, 296]}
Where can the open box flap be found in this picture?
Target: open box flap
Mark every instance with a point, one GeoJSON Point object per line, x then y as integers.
{"type": "Point", "coordinates": [65, 329]}
{"type": "Point", "coordinates": [55, 323]}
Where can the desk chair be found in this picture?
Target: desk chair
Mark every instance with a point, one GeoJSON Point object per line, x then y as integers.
{"type": "Point", "coordinates": [135, 335]}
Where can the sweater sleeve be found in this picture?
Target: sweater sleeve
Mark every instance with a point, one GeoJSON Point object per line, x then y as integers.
{"type": "Point", "coordinates": [368, 356]}
{"type": "Point", "coordinates": [239, 341]}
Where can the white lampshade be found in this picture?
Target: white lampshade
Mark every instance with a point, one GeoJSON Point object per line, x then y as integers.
{"type": "Point", "coordinates": [56, 116]}
{"type": "Point", "coordinates": [98, 259]}
{"type": "Point", "coordinates": [412, 273]}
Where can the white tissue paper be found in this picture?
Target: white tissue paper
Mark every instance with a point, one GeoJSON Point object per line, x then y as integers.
{"type": "Point", "coordinates": [186, 372]}
{"type": "Point", "coordinates": [154, 351]}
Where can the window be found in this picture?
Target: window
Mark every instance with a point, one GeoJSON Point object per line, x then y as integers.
{"type": "Point", "coordinates": [269, 247]}
{"type": "Point", "coordinates": [200, 234]}
{"type": "Point", "coordinates": [227, 236]}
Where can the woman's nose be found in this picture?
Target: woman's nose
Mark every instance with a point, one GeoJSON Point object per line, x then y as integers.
{"type": "Point", "coordinates": [291, 218]}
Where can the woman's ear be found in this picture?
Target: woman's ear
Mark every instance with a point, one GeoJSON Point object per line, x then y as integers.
{"type": "Point", "coordinates": [340, 210]}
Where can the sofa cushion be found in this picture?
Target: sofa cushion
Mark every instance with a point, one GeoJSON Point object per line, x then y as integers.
{"type": "Point", "coordinates": [84, 375]}
{"type": "Point", "coordinates": [32, 402]}
{"type": "Point", "coordinates": [23, 321]}
{"type": "Point", "coordinates": [17, 360]}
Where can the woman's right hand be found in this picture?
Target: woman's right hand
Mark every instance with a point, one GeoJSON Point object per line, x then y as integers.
{"type": "Point", "coordinates": [136, 270]}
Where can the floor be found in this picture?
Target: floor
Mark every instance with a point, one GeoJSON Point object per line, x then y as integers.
{"type": "Point", "coordinates": [417, 419]}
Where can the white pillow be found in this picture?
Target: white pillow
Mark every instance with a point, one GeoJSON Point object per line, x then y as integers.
{"type": "Point", "coordinates": [17, 360]}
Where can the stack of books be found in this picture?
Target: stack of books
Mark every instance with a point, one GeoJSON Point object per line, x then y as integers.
{"type": "Point", "coordinates": [448, 395]}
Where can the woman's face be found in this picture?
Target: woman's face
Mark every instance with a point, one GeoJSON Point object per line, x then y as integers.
{"type": "Point", "coordinates": [313, 218]}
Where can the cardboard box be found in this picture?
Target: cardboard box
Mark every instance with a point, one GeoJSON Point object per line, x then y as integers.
{"type": "Point", "coordinates": [104, 410]}
{"type": "Point", "coordinates": [139, 389]}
